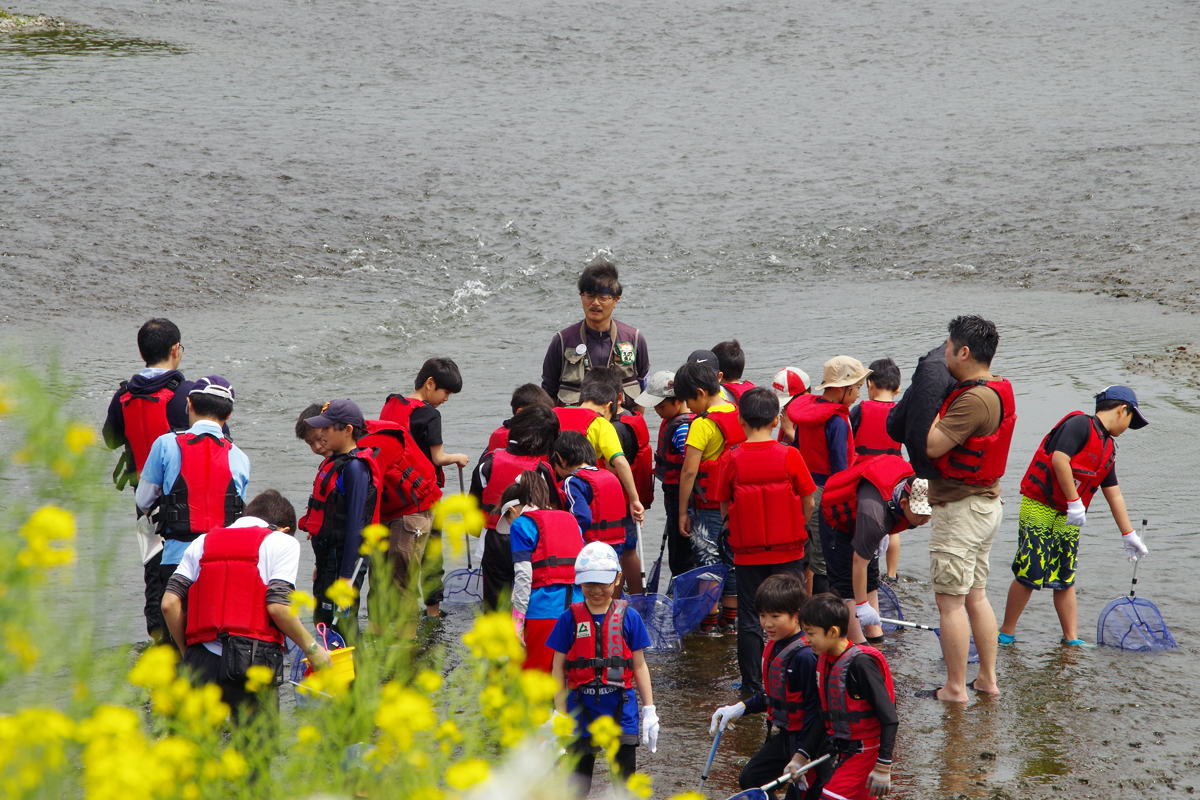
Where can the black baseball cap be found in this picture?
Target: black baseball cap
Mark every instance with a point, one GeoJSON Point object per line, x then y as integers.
{"type": "Point", "coordinates": [705, 357]}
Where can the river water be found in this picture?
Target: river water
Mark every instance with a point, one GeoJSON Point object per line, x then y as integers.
{"type": "Point", "coordinates": [324, 195]}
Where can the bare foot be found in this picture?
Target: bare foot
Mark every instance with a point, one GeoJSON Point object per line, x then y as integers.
{"type": "Point", "coordinates": [987, 688]}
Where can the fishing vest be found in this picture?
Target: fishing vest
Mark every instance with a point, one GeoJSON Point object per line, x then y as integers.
{"type": "Point", "coordinates": [622, 357]}
{"type": "Point", "coordinates": [736, 390]}
{"type": "Point", "coordinates": [642, 464]}
{"type": "Point", "coordinates": [229, 596]}
{"type": "Point", "coordinates": [847, 717]}
{"type": "Point", "coordinates": [765, 513]}
{"type": "Point", "coordinates": [809, 413]}
{"type": "Point", "coordinates": [327, 514]}
{"type": "Point", "coordinates": [785, 706]}
{"type": "Point", "coordinates": [708, 474]}
{"type": "Point", "coordinates": [1089, 467]}
{"type": "Point", "coordinates": [145, 417]}
{"type": "Point", "coordinates": [406, 476]}
{"type": "Point", "coordinates": [981, 460]}
{"type": "Point", "coordinates": [204, 495]}
{"type": "Point", "coordinates": [872, 438]}
{"type": "Point", "coordinates": [608, 506]}
{"type": "Point", "coordinates": [558, 544]}
{"type": "Point", "coordinates": [505, 469]}
{"type": "Point", "coordinates": [668, 459]}
{"type": "Point", "coordinates": [839, 502]}
{"type": "Point", "coordinates": [599, 657]}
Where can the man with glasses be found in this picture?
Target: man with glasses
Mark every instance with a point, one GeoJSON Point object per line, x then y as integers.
{"type": "Point", "coordinates": [597, 341]}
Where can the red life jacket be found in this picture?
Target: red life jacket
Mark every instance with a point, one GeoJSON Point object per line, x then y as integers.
{"type": "Point", "coordinates": [575, 419]}
{"type": "Point", "coordinates": [785, 706]}
{"type": "Point", "coordinates": [406, 476]}
{"type": "Point", "coordinates": [981, 460]}
{"type": "Point", "coordinates": [706, 478]}
{"type": "Point", "coordinates": [559, 542]}
{"type": "Point", "coordinates": [847, 717]}
{"type": "Point", "coordinates": [398, 408]}
{"type": "Point", "coordinates": [668, 460]}
{"type": "Point", "coordinates": [204, 495]}
{"type": "Point", "coordinates": [737, 390]}
{"type": "Point", "coordinates": [498, 440]}
{"type": "Point", "coordinates": [599, 657]}
{"type": "Point", "coordinates": [765, 513]}
{"type": "Point", "coordinates": [871, 438]}
{"type": "Point", "coordinates": [1089, 467]}
{"type": "Point", "coordinates": [809, 413]}
{"type": "Point", "coordinates": [327, 514]}
{"type": "Point", "coordinates": [229, 596]}
{"type": "Point", "coordinates": [839, 503]}
{"type": "Point", "coordinates": [145, 417]}
{"type": "Point", "coordinates": [505, 469]}
{"type": "Point", "coordinates": [642, 464]}
{"type": "Point", "coordinates": [607, 506]}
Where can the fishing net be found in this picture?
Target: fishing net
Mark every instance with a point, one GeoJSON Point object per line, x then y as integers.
{"type": "Point", "coordinates": [1133, 623]}
{"type": "Point", "coordinates": [653, 578]}
{"type": "Point", "coordinates": [463, 586]}
{"type": "Point", "coordinates": [889, 607]}
{"type": "Point", "coordinates": [658, 614]}
{"type": "Point", "coordinates": [331, 640]}
{"type": "Point", "coordinates": [694, 593]}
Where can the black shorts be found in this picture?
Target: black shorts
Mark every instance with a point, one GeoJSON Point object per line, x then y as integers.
{"type": "Point", "coordinates": [839, 563]}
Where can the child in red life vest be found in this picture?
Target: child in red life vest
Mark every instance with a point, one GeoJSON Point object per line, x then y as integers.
{"type": "Point", "coordinates": [525, 395]}
{"type": "Point", "coordinates": [668, 462]}
{"type": "Point", "coordinates": [868, 420]}
{"type": "Point", "coordinates": [598, 658]}
{"type": "Point", "coordinates": [789, 384]}
{"type": "Point", "coordinates": [593, 496]}
{"type": "Point", "coordinates": [858, 705]}
{"type": "Point", "coordinates": [545, 544]}
{"type": "Point", "coordinates": [766, 495]}
{"type": "Point", "coordinates": [789, 694]}
{"type": "Point", "coordinates": [531, 434]}
{"type": "Point", "coordinates": [731, 363]}
{"type": "Point", "coordinates": [344, 500]}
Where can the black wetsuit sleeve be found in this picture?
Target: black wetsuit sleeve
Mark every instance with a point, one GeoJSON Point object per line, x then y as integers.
{"type": "Point", "coordinates": [872, 522]}
{"type": "Point", "coordinates": [356, 480]}
{"type": "Point", "coordinates": [482, 471]}
{"type": "Point", "coordinates": [864, 680]}
{"type": "Point", "coordinates": [1072, 436]}
{"type": "Point", "coordinates": [552, 367]}
{"type": "Point", "coordinates": [756, 704]}
{"type": "Point", "coordinates": [114, 424]}
{"type": "Point", "coordinates": [802, 677]}
{"type": "Point", "coordinates": [814, 736]}
{"type": "Point", "coordinates": [1110, 480]}
{"type": "Point", "coordinates": [856, 417]}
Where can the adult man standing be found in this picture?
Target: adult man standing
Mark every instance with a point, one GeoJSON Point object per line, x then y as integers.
{"type": "Point", "coordinates": [968, 444]}
{"type": "Point", "coordinates": [597, 341]}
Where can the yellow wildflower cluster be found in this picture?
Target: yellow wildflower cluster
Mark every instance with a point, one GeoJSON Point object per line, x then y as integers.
{"type": "Point", "coordinates": [48, 524]}
{"type": "Point", "coordinates": [495, 638]}
{"type": "Point", "coordinates": [199, 707]}
{"type": "Point", "coordinates": [458, 514]}
{"type": "Point", "coordinates": [32, 743]}
{"type": "Point", "coordinates": [17, 642]}
{"type": "Point", "coordinates": [342, 593]}
{"type": "Point", "coordinates": [302, 603]}
{"type": "Point", "coordinates": [402, 713]}
{"type": "Point", "coordinates": [79, 438]}
{"type": "Point", "coordinates": [374, 540]}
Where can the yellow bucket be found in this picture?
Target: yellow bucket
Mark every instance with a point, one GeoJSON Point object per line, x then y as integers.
{"type": "Point", "coordinates": [343, 664]}
{"type": "Point", "coordinates": [337, 678]}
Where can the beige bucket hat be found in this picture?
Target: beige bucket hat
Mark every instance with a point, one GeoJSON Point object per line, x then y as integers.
{"type": "Point", "coordinates": [841, 371]}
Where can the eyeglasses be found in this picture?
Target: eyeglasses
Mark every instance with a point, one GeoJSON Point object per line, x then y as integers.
{"type": "Point", "coordinates": [181, 348]}
{"type": "Point", "coordinates": [603, 297]}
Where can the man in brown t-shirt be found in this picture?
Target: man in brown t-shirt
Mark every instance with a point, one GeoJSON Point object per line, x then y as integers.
{"type": "Point", "coordinates": [966, 515]}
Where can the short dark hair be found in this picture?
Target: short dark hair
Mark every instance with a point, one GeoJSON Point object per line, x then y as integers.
{"type": "Point", "coordinates": [444, 372]}
{"type": "Point", "coordinates": [759, 407]}
{"type": "Point", "coordinates": [302, 427]}
{"type": "Point", "coordinates": [572, 449]}
{"type": "Point", "coordinates": [605, 375]}
{"type": "Point", "coordinates": [976, 333]}
{"type": "Point", "coordinates": [1108, 405]}
{"type": "Point", "coordinates": [600, 278]}
{"type": "Point", "coordinates": [530, 394]}
{"type": "Point", "coordinates": [533, 430]}
{"type": "Point", "coordinates": [599, 393]}
{"type": "Point", "coordinates": [782, 593]}
{"type": "Point", "coordinates": [694, 376]}
{"type": "Point", "coordinates": [825, 611]}
{"type": "Point", "coordinates": [272, 508]}
{"type": "Point", "coordinates": [730, 359]}
{"type": "Point", "coordinates": [155, 339]}
{"type": "Point", "coordinates": [885, 374]}
{"type": "Point", "coordinates": [207, 405]}
{"type": "Point", "coordinates": [356, 431]}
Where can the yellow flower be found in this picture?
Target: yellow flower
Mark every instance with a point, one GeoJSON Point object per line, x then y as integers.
{"type": "Point", "coordinates": [179, 754]}
{"type": "Point", "coordinates": [47, 524]}
{"type": "Point", "coordinates": [17, 643]}
{"type": "Point", "coordinates": [538, 687]}
{"type": "Point", "coordinates": [79, 437]}
{"type": "Point", "coordinates": [494, 638]}
{"type": "Point", "coordinates": [606, 733]}
{"type": "Point", "coordinates": [564, 726]}
{"type": "Point", "coordinates": [456, 514]}
{"type": "Point", "coordinates": [108, 721]}
{"type": "Point", "coordinates": [428, 681]}
{"type": "Point", "coordinates": [689, 796]}
{"type": "Point", "coordinates": [492, 699]}
{"type": "Point", "coordinates": [640, 785]}
{"type": "Point", "coordinates": [156, 667]}
{"type": "Point", "coordinates": [233, 764]}
{"type": "Point", "coordinates": [259, 677]}
{"type": "Point", "coordinates": [190, 792]}
{"type": "Point", "coordinates": [374, 540]}
{"type": "Point", "coordinates": [418, 759]}
{"type": "Point", "coordinates": [402, 712]}
{"type": "Point", "coordinates": [168, 697]}
{"type": "Point", "coordinates": [426, 793]}
{"type": "Point", "coordinates": [302, 602]}
{"type": "Point", "coordinates": [342, 593]}
{"type": "Point", "coordinates": [6, 404]}
{"type": "Point", "coordinates": [466, 774]}
{"type": "Point", "coordinates": [203, 708]}
{"type": "Point", "coordinates": [308, 735]}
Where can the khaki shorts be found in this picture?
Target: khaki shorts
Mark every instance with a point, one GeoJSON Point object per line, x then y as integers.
{"type": "Point", "coordinates": [406, 543]}
{"type": "Point", "coordinates": [959, 542]}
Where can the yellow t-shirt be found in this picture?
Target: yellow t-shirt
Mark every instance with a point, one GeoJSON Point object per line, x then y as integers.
{"type": "Point", "coordinates": [705, 436]}
{"type": "Point", "coordinates": [603, 437]}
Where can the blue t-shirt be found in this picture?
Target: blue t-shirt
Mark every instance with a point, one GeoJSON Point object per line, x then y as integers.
{"type": "Point", "coordinates": [588, 703]}
{"type": "Point", "coordinates": [547, 602]}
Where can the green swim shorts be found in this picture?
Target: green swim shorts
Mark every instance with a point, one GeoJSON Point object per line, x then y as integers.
{"type": "Point", "coordinates": [1046, 547]}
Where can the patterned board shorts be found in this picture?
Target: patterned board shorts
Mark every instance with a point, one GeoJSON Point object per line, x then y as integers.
{"type": "Point", "coordinates": [1046, 547]}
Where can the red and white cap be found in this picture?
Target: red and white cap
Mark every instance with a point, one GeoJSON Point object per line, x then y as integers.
{"type": "Point", "coordinates": [790, 382]}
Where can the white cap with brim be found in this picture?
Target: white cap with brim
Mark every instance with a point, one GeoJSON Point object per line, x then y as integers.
{"type": "Point", "coordinates": [597, 562]}
{"type": "Point", "coordinates": [503, 524]}
{"type": "Point", "coordinates": [659, 387]}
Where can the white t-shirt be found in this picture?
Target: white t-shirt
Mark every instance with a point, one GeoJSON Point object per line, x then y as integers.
{"type": "Point", "coordinates": [278, 560]}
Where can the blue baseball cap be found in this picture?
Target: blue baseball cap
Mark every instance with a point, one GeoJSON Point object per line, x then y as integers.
{"type": "Point", "coordinates": [1124, 394]}
{"type": "Point", "coordinates": [341, 412]}
{"type": "Point", "coordinates": [214, 385]}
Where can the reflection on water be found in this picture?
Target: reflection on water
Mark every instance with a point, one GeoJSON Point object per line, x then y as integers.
{"type": "Point", "coordinates": [77, 40]}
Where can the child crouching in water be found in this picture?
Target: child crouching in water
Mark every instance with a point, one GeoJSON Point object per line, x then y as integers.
{"type": "Point", "coordinates": [598, 678]}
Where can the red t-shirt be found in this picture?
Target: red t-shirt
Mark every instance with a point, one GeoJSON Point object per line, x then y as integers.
{"type": "Point", "coordinates": [798, 476]}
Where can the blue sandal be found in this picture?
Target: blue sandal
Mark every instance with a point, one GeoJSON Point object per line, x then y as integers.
{"type": "Point", "coordinates": [1006, 639]}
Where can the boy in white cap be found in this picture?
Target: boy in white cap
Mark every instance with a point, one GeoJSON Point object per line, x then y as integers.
{"type": "Point", "coordinates": [788, 384]}
{"type": "Point", "coordinates": [196, 479]}
{"type": "Point", "coordinates": [668, 461]}
{"type": "Point", "coordinates": [598, 677]}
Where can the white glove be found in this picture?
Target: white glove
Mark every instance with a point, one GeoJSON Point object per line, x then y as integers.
{"type": "Point", "coordinates": [798, 763]}
{"type": "Point", "coordinates": [725, 715]}
{"type": "Point", "coordinates": [1133, 545]}
{"type": "Point", "coordinates": [650, 728]}
{"type": "Point", "coordinates": [867, 614]}
{"type": "Point", "coordinates": [1076, 513]}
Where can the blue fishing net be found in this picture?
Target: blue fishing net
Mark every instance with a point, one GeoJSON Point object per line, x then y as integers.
{"type": "Point", "coordinates": [752, 794]}
{"type": "Point", "coordinates": [694, 593]}
{"type": "Point", "coordinates": [1134, 623]}
{"type": "Point", "coordinates": [653, 578]}
{"type": "Point", "coordinates": [658, 613]}
{"type": "Point", "coordinates": [889, 607]}
{"type": "Point", "coordinates": [463, 586]}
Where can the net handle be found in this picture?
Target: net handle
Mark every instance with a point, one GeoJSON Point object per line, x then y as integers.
{"type": "Point", "coordinates": [782, 779]}
{"type": "Point", "coordinates": [466, 536]}
{"type": "Point", "coordinates": [1133, 586]}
